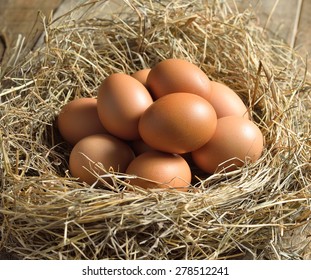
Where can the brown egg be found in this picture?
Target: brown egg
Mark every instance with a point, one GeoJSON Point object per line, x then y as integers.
{"type": "Point", "coordinates": [226, 102]}
{"type": "Point", "coordinates": [178, 123]}
{"type": "Point", "coordinates": [177, 75]}
{"type": "Point", "coordinates": [235, 140]}
{"type": "Point", "coordinates": [141, 75]}
{"type": "Point", "coordinates": [78, 119]}
{"type": "Point", "coordinates": [160, 170]}
{"type": "Point", "coordinates": [121, 101]}
{"type": "Point", "coordinates": [103, 149]}
{"type": "Point", "coordinates": [139, 147]}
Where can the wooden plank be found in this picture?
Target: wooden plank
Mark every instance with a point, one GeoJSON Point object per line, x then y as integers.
{"type": "Point", "coordinates": [20, 18]}
{"type": "Point", "coordinates": [3, 37]}
{"type": "Point", "coordinates": [303, 36]}
{"type": "Point", "coordinates": [66, 6]}
{"type": "Point", "coordinates": [289, 20]}
{"type": "Point", "coordinates": [277, 16]}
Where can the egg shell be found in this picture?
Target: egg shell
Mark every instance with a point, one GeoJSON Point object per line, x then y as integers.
{"type": "Point", "coordinates": [177, 75]}
{"type": "Point", "coordinates": [178, 123]}
{"type": "Point", "coordinates": [121, 101]}
{"type": "Point", "coordinates": [139, 147]}
{"type": "Point", "coordinates": [160, 170]}
{"type": "Point", "coordinates": [235, 140]}
{"type": "Point", "coordinates": [141, 75]}
{"type": "Point", "coordinates": [78, 119]}
{"type": "Point", "coordinates": [107, 150]}
{"type": "Point", "coordinates": [226, 102]}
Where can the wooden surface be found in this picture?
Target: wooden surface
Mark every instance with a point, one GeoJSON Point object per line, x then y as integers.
{"type": "Point", "coordinates": [18, 19]}
{"type": "Point", "coordinates": [290, 19]}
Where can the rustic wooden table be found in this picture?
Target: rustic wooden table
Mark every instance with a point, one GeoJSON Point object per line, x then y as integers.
{"type": "Point", "coordinates": [288, 18]}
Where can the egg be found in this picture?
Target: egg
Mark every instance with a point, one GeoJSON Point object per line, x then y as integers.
{"type": "Point", "coordinates": [177, 75]}
{"type": "Point", "coordinates": [98, 150]}
{"type": "Point", "coordinates": [160, 170]}
{"type": "Point", "coordinates": [235, 140]}
{"type": "Point", "coordinates": [226, 102]}
{"type": "Point", "coordinates": [141, 75]}
{"type": "Point", "coordinates": [78, 119]}
{"type": "Point", "coordinates": [178, 123]}
{"type": "Point", "coordinates": [121, 101]}
{"type": "Point", "coordinates": [139, 147]}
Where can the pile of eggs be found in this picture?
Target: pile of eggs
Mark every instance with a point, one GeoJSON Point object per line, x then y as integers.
{"type": "Point", "coordinates": [150, 123]}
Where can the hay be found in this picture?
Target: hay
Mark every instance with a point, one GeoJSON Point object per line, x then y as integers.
{"type": "Point", "coordinates": [46, 214]}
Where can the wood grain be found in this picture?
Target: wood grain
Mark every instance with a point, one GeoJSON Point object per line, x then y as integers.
{"type": "Point", "coordinates": [303, 36]}
{"type": "Point", "coordinates": [289, 19]}
{"type": "Point", "coordinates": [20, 18]}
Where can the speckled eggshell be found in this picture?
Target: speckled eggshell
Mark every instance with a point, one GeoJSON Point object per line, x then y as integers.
{"type": "Point", "coordinates": [160, 170]}
{"type": "Point", "coordinates": [121, 101]}
{"type": "Point", "coordinates": [177, 75]}
{"type": "Point", "coordinates": [103, 149]}
{"type": "Point", "coordinates": [235, 140]}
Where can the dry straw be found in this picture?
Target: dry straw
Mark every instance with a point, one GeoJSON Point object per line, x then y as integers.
{"type": "Point", "coordinates": [46, 214]}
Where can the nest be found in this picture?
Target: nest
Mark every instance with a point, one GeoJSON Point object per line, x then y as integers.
{"type": "Point", "coordinates": [246, 213]}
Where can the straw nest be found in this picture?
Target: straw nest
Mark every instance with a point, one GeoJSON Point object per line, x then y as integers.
{"type": "Point", "coordinates": [47, 214]}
